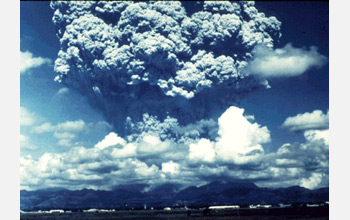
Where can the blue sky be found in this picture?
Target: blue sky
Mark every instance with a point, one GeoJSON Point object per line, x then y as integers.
{"type": "Point", "coordinates": [39, 93]}
{"type": "Point", "coordinates": [69, 130]}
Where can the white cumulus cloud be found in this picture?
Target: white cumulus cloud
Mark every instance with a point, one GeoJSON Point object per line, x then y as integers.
{"type": "Point", "coordinates": [112, 139]}
{"type": "Point", "coordinates": [26, 118]}
{"type": "Point", "coordinates": [284, 62]}
{"type": "Point", "coordinates": [305, 164]}
{"type": "Point", "coordinates": [25, 143]}
{"type": "Point", "coordinates": [313, 181]}
{"type": "Point", "coordinates": [314, 135]}
{"type": "Point", "coordinates": [67, 132]}
{"type": "Point", "coordinates": [202, 151]}
{"type": "Point", "coordinates": [28, 61]}
{"type": "Point", "coordinates": [171, 167]}
{"type": "Point", "coordinates": [71, 126]}
{"type": "Point", "coordinates": [307, 121]}
{"type": "Point", "coordinates": [240, 140]}
{"type": "Point", "coordinates": [43, 128]}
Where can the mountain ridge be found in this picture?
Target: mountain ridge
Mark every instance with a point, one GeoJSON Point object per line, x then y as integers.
{"type": "Point", "coordinates": [169, 194]}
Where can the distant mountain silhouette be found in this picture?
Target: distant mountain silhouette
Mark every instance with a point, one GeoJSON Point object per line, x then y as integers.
{"type": "Point", "coordinates": [135, 196]}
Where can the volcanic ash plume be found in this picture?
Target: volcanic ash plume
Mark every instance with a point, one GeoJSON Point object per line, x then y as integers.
{"type": "Point", "coordinates": [164, 58]}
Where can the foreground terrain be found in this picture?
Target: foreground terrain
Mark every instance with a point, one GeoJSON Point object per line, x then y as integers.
{"type": "Point", "coordinates": [298, 213]}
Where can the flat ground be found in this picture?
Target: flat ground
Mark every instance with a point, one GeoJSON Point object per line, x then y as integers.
{"type": "Point", "coordinates": [319, 213]}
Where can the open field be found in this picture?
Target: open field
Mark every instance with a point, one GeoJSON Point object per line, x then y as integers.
{"type": "Point", "coordinates": [304, 213]}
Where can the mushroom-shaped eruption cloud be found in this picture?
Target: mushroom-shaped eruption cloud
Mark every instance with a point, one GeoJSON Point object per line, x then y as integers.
{"type": "Point", "coordinates": [132, 58]}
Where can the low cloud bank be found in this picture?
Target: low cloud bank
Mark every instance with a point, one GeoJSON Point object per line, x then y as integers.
{"type": "Point", "coordinates": [155, 156]}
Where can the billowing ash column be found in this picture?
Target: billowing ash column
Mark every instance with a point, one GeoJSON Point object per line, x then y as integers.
{"type": "Point", "coordinates": [132, 58]}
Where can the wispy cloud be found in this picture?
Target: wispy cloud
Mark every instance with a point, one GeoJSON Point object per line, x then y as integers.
{"type": "Point", "coordinates": [68, 131]}
{"type": "Point", "coordinates": [284, 62]}
{"type": "Point", "coordinates": [307, 121]}
{"type": "Point", "coordinates": [62, 91]}
{"type": "Point", "coordinates": [43, 128]}
{"type": "Point", "coordinates": [28, 61]}
{"type": "Point", "coordinates": [25, 143]}
{"type": "Point", "coordinates": [26, 118]}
